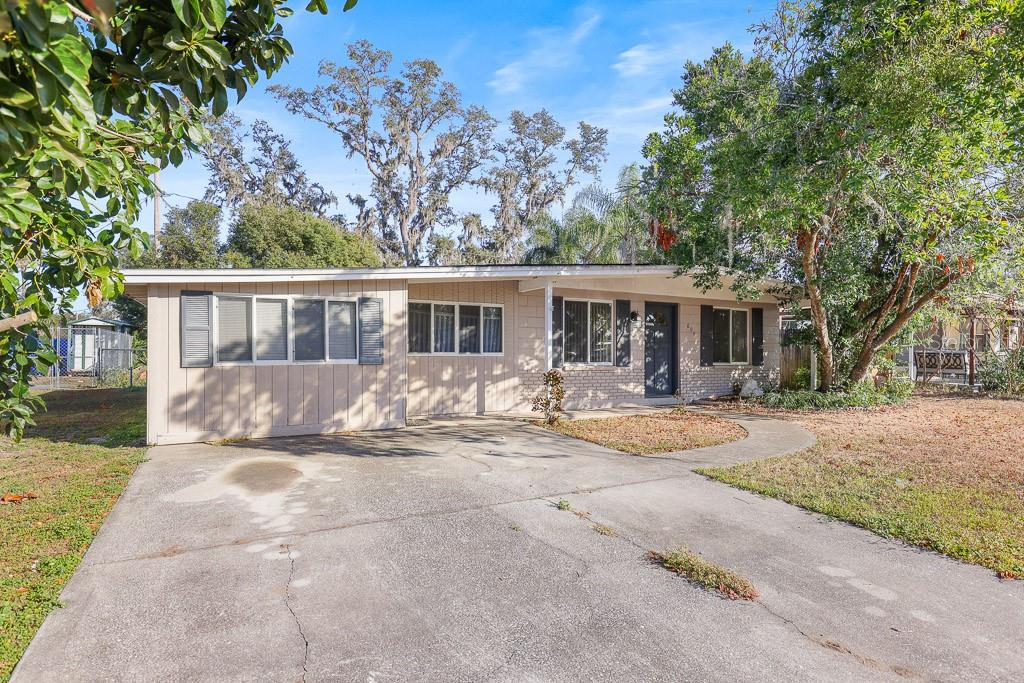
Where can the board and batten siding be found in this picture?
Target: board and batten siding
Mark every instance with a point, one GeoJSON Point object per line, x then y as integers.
{"type": "Point", "coordinates": [201, 404]}
{"type": "Point", "coordinates": [472, 384]}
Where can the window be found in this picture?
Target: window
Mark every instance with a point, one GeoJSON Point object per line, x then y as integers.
{"type": "Point", "coordinates": [492, 329]}
{"type": "Point", "coordinates": [341, 330]}
{"type": "Point", "coordinates": [284, 328]}
{"type": "Point", "coordinates": [444, 328]}
{"type": "Point", "coordinates": [451, 328]}
{"type": "Point", "coordinates": [308, 339]}
{"type": "Point", "coordinates": [234, 328]}
{"type": "Point", "coordinates": [469, 329]}
{"type": "Point", "coordinates": [600, 333]}
{"type": "Point", "coordinates": [419, 328]}
{"type": "Point", "coordinates": [272, 329]}
{"type": "Point", "coordinates": [587, 331]}
{"type": "Point", "coordinates": [731, 336]}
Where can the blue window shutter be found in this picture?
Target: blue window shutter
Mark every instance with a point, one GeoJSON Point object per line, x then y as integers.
{"type": "Point", "coordinates": [707, 335]}
{"type": "Point", "coordinates": [196, 329]}
{"type": "Point", "coordinates": [757, 336]}
{"type": "Point", "coordinates": [622, 350]}
{"type": "Point", "coordinates": [371, 331]}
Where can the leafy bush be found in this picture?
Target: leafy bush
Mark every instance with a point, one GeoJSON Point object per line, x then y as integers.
{"type": "Point", "coordinates": [549, 401]}
{"type": "Point", "coordinates": [861, 395]}
{"type": "Point", "coordinates": [1002, 372]}
{"type": "Point", "coordinates": [801, 379]}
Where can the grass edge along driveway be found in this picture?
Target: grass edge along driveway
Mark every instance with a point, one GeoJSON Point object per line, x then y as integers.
{"type": "Point", "coordinates": [942, 474]}
{"type": "Point", "coordinates": [77, 462]}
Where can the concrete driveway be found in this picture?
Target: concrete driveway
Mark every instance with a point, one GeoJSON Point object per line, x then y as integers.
{"type": "Point", "coordinates": [437, 553]}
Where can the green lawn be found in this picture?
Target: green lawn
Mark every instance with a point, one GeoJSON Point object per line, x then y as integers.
{"type": "Point", "coordinates": [43, 539]}
{"type": "Point", "coordinates": [945, 474]}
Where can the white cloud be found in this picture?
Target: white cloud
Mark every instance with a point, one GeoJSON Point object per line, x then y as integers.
{"type": "Point", "coordinates": [551, 50]}
{"type": "Point", "coordinates": [637, 60]}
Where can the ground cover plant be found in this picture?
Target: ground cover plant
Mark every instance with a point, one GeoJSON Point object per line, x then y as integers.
{"type": "Point", "coordinates": [860, 395]}
{"type": "Point", "coordinates": [705, 574]}
{"type": "Point", "coordinates": [664, 432]}
{"type": "Point", "coordinates": [943, 473]}
{"type": "Point", "coordinates": [71, 468]}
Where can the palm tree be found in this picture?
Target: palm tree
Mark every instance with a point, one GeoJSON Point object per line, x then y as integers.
{"type": "Point", "coordinates": [600, 226]}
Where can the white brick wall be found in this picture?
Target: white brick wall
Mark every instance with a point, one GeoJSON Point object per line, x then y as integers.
{"type": "Point", "coordinates": [601, 386]}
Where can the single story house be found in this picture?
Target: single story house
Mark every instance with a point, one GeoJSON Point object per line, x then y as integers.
{"type": "Point", "coordinates": [252, 353]}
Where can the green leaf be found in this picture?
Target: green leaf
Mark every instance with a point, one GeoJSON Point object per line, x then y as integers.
{"type": "Point", "coordinates": [220, 99]}
{"type": "Point", "coordinates": [318, 6]}
{"type": "Point", "coordinates": [349, 4]}
{"type": "Point", "coordinates": [217, 13]}
{"type": "Point", "coordinates": [181, 10]}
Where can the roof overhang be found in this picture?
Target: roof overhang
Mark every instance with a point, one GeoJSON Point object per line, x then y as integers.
{"type": "Point", "coordinates": [422, 273]}
{"type": "Point", "coordinates": [646, 279]}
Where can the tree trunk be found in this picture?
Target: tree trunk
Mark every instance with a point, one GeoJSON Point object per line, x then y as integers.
{"type": "Point", "coordinates": [808, 244]}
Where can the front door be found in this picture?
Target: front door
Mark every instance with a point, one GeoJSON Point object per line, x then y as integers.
{"type": "Point", "coordinates": [660, 349]}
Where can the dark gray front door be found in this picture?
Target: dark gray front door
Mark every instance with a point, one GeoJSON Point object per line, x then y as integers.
{"type": "Point", "coordinates": [660, 349]}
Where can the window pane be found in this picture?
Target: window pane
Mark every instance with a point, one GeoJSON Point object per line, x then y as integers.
{"type": "Point", "coordinates": [309, 329]}
{"type": "Point", "coordinates": [271, 329]}
{"type": "Point", "coordinates": [720, 332]}
{"type": "Point", "coordinates": [469, 329]}
{"type": "Point", "coordinates": [492, 329]}
{"type": "Point", "coordinates": [234, 342]}
{"type": "Point", "coordinates": [419, 328]}
{"type": "Point", "coordinates": [739, 336]}
{"type": "Point", "coordinates": [575, 331]}
{"type": "Point", "coordinates": [600, 333]}
{"type": "Point", "coordinates": [341, 330]}
{"type": "Point", "coordinates": [444, 328]}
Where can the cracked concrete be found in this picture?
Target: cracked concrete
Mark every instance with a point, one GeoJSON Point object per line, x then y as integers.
{"type": "Point", "coordinates": [437, 553]}
{"type": "Point", "coordinates": [298, 624]}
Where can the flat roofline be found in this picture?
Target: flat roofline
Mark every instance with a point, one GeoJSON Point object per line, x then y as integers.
{"type": "Point", "coordinates": [510, 272]}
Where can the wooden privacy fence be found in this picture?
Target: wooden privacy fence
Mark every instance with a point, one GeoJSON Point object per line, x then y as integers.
{"type": "Point", "coordinates": [793, 358]}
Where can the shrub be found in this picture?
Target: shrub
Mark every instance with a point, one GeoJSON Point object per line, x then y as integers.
{"type": "Point", "coordinates": [549, 401]}
{"type": "Point", "coordinates": [1002, 372]}
{"type": "Point", "coordinates": [801, 380]}
{"type": "Point", "coordinates": [861, 395]}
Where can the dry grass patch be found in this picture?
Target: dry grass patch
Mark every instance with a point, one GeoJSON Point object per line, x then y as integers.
{"type": "Point", "coordinates": [941, 473]}
{"type": "Point", "coordinates": [76, 461]}
{"type": "Point", "coordinates": [708, 575]}
{"type": "Point", "coordinates": [678, 430]}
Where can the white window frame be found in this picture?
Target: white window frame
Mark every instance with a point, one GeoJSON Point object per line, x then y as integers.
{"type": "Point", "coordinates": [480, 329]}
{"type": "Point", "coordinates": [589, 362]}
{"type": "Point", "coordinates": [750, 335]}
{"type": "Point", "coordinates": [290, 330]}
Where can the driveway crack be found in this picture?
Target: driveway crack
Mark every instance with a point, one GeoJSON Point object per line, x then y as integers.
{"type": "Point", "coordinates": [288, 604]}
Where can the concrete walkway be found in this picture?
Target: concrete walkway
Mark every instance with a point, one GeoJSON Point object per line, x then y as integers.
{"type": "Point", "coordinates": [438, 553]}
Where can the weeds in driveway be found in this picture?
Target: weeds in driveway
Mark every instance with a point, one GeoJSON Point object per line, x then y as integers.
{"type": "Point", "coordinates": [563, 505]}
{"type": "Point", "coordinates": [605, 530]}
{"type": "Point", "coordinates": [75, 462]}
{"type": "Point", "coordinates": [708, 575]}
{"type": "Point", "coordinates": [945, 474]}
{"type": "Point", "coordinates": [663, 432]}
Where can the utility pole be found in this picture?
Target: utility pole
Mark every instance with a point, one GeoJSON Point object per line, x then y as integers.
{"type": "Point", "coordinates": [156, 211]}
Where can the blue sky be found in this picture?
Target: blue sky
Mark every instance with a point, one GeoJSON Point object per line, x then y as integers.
{"type": "Point", "coordinates": [612, 64]}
